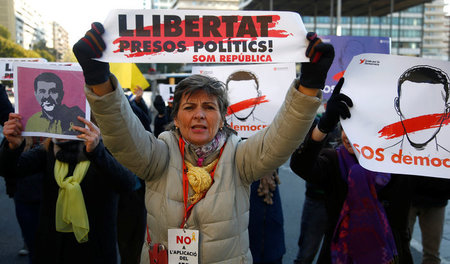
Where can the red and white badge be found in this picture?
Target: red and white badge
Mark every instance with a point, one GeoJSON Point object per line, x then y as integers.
{"type": "Point", "coordinates": [183, 246]}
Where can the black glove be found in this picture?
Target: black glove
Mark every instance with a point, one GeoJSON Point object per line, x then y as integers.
{"type": "Point", "coordinates": [337, 106]}
{"type": "Point", "coordinates": [88, 47]}
{"type": "Point", "coordinates": [321, 55]}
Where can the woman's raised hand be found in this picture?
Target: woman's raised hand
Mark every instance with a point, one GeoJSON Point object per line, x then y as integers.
{"type": "Point", "coordinates": [12, 130]}
{"type": "Point", "coordinates": [91, 135]}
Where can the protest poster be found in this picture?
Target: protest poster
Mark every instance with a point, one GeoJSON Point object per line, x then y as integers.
{"type": "Point", "coordinates": [204, 36]}
{"type": "Point", "coordinates": [166, 91]}
{"type": "Point", "coordinates": [49, 98]}
{"type": "Point", "coordinates": [256, 92]}
{"type": "Point", "coordinates": [399, 121]}
{"type": "Point", "coordinates": [345, 47]}
{"type": "Point", "coordinates": [7, 69]}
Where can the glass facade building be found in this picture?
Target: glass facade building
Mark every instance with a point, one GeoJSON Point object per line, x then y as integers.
{"type": "Point", "coordinates": [421, 31]}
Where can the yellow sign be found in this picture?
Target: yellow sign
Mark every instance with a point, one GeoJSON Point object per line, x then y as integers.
{"type": "Point", "coordinates": [129, 75]}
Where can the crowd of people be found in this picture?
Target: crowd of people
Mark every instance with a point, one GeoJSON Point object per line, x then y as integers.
{"type": "Point", "coordinates": [125, 190]}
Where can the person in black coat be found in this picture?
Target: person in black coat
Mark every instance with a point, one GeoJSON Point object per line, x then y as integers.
{"type": "Point", "coordinates": [5, 105]}
{"type": "Point", "coordinates": [323, 166]}
{"type": "Point", "coordinates": [162, 118]}
{"type": "Point", "coordinates": [100, 185]}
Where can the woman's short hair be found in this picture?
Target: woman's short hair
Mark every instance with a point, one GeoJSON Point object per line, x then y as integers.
{"type": "Point", "coordinates": [211, 86]}
{"type": "Point", "coordinates": [198, 82]}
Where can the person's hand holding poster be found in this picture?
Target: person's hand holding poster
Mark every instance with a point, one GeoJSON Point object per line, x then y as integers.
{"type": "Point", "coordinates": [206, 36]}
{"type": "Point", "coordinates": [50, 98]}
{"type": "Point", "coordinates": [400, 115]}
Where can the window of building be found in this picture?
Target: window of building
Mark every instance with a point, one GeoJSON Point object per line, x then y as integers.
{"type": "Point", "coordinates": [323, 19]}
{"type": "Point", "coordinates": [308, 19]}
{"type": "Point", "coordinates": [345, 20]}
{"type": "Point", "coordinates": [414, 9]}
{"type": "Point", "coordinates": [346, 32]}
{"type": "Point", "coordinates": [360, 20]}
{"type": "Point", "coordinates": [374, 32]}
{"type": "Point", "coordinates": [323, 31]}
{"type": "Point", "coordinates": [375, 20]}
{"type": "Point", "coordinates": [385, 20]}
{"type": "Point", "coordinates": [359, 32]}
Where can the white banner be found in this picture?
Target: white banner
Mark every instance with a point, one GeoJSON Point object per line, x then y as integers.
{"type": "Point", "coordinates": [400, 116]}
{"type": "Point", "coordinates": [166, 91]}
{"type": "Point", "coordinates": [204, 36]}
{"type": "Point", "coordinates": [7, 68]}
{"type": "Point", "coordinates": [256, 92]}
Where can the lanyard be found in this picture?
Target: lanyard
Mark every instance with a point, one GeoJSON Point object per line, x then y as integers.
{"type": "Point", "coordinates": [188, 210]}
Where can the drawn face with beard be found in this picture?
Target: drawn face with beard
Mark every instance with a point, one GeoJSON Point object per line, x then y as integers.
{"type": "Point", "coordinates": [49, 93]}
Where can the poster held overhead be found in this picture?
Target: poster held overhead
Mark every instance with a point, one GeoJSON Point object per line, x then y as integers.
{"type": "Point", "coordinates": [400, 116]}
{"type": "Point", "coordinates": [206, 36]}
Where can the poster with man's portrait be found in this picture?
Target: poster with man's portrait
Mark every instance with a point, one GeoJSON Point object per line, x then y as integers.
{"type": "Point", "coordinates": [399, 121]}
{"type": "Point", "coordinates": [50, 97]}
{"type": "Point", "coordinates": [255, 91]}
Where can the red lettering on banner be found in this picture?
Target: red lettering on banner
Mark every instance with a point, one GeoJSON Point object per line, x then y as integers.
{"type": "Point", "coordinates": [247, 127]}
{"type": "Point", "coordinates": [368, 152]}
{"type": "Point", "coordinates": [245, 58]}
{"type": "Point", "coordinates": [203, 58]}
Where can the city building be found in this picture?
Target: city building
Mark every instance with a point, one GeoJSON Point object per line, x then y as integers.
{"type": "Point", "coordinates": [7, 17]}
{"type": "Point", "coordinates": [207, 4]}
{"type": "Point", "coordinates": [60, 39]}
{"type": "Point", "coordinates": [436, 32]}
{"type": "Point", "coordinates": [416, 28]}
{"type": "Point", "coordinates": [159, 4]}
{"type": "Point", "coordinates": [28, 27]}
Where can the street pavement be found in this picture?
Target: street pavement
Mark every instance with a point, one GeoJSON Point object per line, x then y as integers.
{"type": "Point", "coordinates": [292, 191]}
{"type": "Point", "coordinates": [10, 238]}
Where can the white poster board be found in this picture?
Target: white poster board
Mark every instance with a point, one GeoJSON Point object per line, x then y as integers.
{"type": "Point", "coordinates": [166, 91]}
{"type": "Point", "coordinates": [7, 66]}
{"type": "Point", "coordinates": [400, 117]}
{"type": "Point", "coordinates": [256, 92]}
{"type": "Point", "coordinates": [204, 36]}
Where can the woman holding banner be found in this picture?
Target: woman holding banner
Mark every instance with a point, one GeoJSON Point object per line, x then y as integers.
{"type": "Point", "coordinates": [198, 174]}
{"type": "Point", "coordinates": [367, 211]}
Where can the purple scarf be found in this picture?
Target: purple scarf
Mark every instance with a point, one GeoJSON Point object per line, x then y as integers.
{"type": "Point", "coordinates": [362, 234]}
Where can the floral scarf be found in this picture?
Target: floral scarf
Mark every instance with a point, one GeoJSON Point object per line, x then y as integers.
{"type": "Point", "coordinates": [206, 150]}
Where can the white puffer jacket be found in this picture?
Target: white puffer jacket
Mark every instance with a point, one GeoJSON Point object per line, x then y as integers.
{"type": "Point", "coordinates": [222, 216]}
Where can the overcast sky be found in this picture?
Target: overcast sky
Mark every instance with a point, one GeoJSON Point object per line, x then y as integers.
{"type": "Point", "coordinates": [76, 16]}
